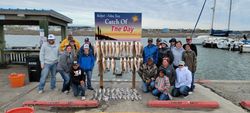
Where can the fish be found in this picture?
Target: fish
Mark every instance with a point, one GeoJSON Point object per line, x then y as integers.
{"type": "Point", "coordinates": [113, 49]}
{"type": "Point", "coordinates": [104, 64]}
{"type": "Point", "coordinates": [136, 48]}
{"type": "Point", "coordinates": [140, 49]}
{"type": "Point", "coordinates": [103, 49]}
{"type": "Point", "coordinates": [107, 49]}
{"type": "Point", "coordinates": [121, 49]}
{"type": "Point", "coordinates": [124, 48]}
{"type": "Point", "coordinates": [96, 51]}
{"type": "Point", "coordinates": [125, 64]}
{"type": "Point", "coordinates": [110, 49]}
{"type": "Point", "coordinates": [108, 64]}
{"type": "Point", "coordinates": [127, 49]}
{"type": "Point", "coordinates": [117, 49]}
{"type": "Point", "coordinates": [121, 63]}
{"type": "Point", "coordinates": [113, 65]}
{"type": "Point", "coordinates": [131, 51]}
{"type": "Point", "coordinates": [135, 64]}
{"type": "Point", "coordinates": [131, 64]}
{"type": "Point", "coordinates": [139, 62]}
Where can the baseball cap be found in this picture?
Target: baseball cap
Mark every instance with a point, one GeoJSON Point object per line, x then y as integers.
{"type": "Point", "coordinates": [182, 63]}
{"type": "Point", "coordinates": [86, 40]}
{"type": "Point", "coordinates": [150, 39]}
{"type": "Point", "coordinates": [86, 46]}
{"type": "Point", "coordinates": [158, 40]}
{"type": "Point", "coordinates": [51, 37]}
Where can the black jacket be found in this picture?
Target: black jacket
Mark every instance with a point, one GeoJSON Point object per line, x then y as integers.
{"type": "Point", "coordinates": [165, 52]}
{"type": "Point", "coordinates": [77, 75]}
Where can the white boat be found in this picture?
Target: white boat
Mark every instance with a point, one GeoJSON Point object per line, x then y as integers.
{"type": "Point", "coordinates": [199, 39]}
{"type": "Point", "coordinates": [245, 47]}
{"type": "Point", "coordinates": [229, 44]}
{"type": "Point", "coordinates": [211, 41]}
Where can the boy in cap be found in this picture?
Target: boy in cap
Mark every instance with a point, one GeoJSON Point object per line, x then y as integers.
{"type": "Point", "coordinates": [183, 81]}
{"type": "Point", "coordinates": [87, 61]}
{"type": "Point", "coordinates": [150, 50]}
{"type": "Point", "coordinates": [48, 56]}
{"type": "Point", "coordinates": [193, 47]}
{"type": "Point", "coordinates": [78, 80]}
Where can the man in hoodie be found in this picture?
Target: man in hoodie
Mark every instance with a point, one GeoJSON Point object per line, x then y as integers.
{"type": "Point", "coordinates": [150, 50]}
{"type": "Point", "coordinates": [148, 72]}
{"type": "Point", "coordinates": [65, 62]}
{"type": "Point", "coordinates": [164, 51]}
{"type": "Point", "coordinates": [183, 81]}
{"type": "Point", "coordinates": [87, 61]}
{"type": "Point", "coordinates": [49, 58]}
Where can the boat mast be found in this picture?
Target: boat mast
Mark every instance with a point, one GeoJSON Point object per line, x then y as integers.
{"type": "Point", "coordinates": [229, 18]}
{"type": "Point", "coordinates": [213, 8]}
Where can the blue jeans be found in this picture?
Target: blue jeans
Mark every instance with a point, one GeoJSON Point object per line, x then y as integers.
{"type": "Point", "coordinates": [192, 84]}
{"type": "Point", "coordinates": [66, 80]}
{"type": "Point", "coordinates": [147, 86]}
{"type": "Point", "coordinates": [89, 76]}
{"type": "Point", "coordinates": [78, 89]}
{"type": "Point", "coordinates": [183, 90]}
{"type": "Point", "coordinates": [44, 74]}
{"type": "Point", "coordinates": [161, 95]}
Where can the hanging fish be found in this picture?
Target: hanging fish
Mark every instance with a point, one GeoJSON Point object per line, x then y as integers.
{"type": "Point", "coordinates": [131, 49]}
{"type": "Point", "coordinates": [125, 64]}
{"type": "Point", "coordinates": [108, 64]}
{"type": "Point", "coordinates": [97, 51]}
{"type": "Point", "coordinates": [104, 64]}
{"type": "Point", "coordinates": [121, 49]}
{"type": "Point", "coordinates": [110, 49]}
{"type": "Point", "coordinates": [103, 48]}
{"type": "Point", "coordinates": [135, 64]}
{"type": "Point", "coordinates": [136, 48]}
{"type": "Point", "coordinates": [113, 49]}
{"type": "Point", "coordinates": [117, 49]}
{"type": "Point", "coordinates": [131, 64]}
{"type": "Point", "coordinates": [128, 64]}
{"type": "Point", "coordinates": [107, 48]}
{"type": "Point", "coordinates": [113, 65]}
{"type": "Point", "coordinates": [121, 64]}
{"type": "Point", "coordinates": [140, 49]}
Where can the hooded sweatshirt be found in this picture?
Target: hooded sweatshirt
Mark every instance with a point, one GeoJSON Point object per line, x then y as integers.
{"type": "Point", "coordinates": [162, 84]}
{"type": "Point", "coordinates": [183, 77]}
{"type": "Point", "coordinates": [177, 52]}
{"type": "Point", "coordinates": [65, 62]}
{"type": "Point", "coordinates": [49, 54]}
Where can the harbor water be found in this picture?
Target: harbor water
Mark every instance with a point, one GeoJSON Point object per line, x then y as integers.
{"type": "Point", "coordinates": [213, 64]}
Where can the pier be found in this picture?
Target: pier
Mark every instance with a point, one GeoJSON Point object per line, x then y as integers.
{"type": "Point", "coordinates": [41, 18]}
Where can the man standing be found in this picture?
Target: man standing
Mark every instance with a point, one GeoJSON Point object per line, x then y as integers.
{"type": "Point", "coordinates": [87, 62]}
{"type": "Point", "coordinates": [91, 48]}
{"type": "Point", "coordinates": [66, 42]}
{"type": "Point", "coordinates": [193, 47]}
{"type": "Point", "coordinates": [149, 51]}
{"type": "Point", "coordinates": [158, 42]}
{"type": "Point", "coordinates": [48, 57]}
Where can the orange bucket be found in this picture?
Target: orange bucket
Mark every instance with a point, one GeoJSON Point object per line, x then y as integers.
{"type": "Point", "coordinates": [21, 110]}
{"type": "Point", "coordinates": [16, 80]}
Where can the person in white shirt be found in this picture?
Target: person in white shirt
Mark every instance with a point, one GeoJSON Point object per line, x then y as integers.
{"type": "Point", "coordinates": [183, 81]}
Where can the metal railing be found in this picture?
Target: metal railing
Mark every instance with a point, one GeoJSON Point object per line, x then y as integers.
{"type": "Point", "coordinates": [18, 56]}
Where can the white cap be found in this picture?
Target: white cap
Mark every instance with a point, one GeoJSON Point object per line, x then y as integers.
{"type": "Point", "coordinates": [86, 46]}
{"type": "Point", "coordinates": [51, 37]}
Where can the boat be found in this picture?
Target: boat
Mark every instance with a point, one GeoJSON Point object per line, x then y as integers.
{"type": "Point", "coordinates": [245, 47]}
{"type": "Point", "coordinates": [229, 44]}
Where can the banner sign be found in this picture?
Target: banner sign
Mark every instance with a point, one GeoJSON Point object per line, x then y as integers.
{"type": "Point", "coordinates": [118, 26]}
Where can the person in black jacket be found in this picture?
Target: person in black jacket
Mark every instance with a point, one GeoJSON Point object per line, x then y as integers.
{"type": "Point", "coordinates": [78, 80]}
{"type": "Point", "coordinates": [164, 51]}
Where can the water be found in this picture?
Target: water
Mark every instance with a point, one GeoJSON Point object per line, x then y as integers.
{"type": "Point", "coordinates": [213, 64]}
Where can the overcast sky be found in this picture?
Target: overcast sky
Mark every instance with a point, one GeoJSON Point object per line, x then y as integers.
{"type": "Point", "coordinates": [155, 13]}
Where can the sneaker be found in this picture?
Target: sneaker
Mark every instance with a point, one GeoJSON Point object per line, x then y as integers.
{"type": "Point", "coordinates": [66, 92]}
{"type": "Point", "coordinates": [90, 88]}
{"type": "Point", "coordinates": [190, 92]}
{"type": "Point", "coordinates": [55, 89]}
{"type": "Point", "coordinates": [83, 98]}
{"type": "Point", "coordinates": [40, 91]}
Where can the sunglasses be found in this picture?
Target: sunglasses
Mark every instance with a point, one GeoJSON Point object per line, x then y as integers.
{"type": "Point", "coordinates": [180, 65]}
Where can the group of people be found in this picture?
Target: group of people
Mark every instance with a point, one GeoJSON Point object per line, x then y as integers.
{"type": "Point", "coordinates": [73, 61]}
{"type": "Point", "coordinates": [168, 68]}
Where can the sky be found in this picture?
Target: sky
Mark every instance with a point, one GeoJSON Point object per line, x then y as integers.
{"type": "Point", "coordinates": [173, 14]}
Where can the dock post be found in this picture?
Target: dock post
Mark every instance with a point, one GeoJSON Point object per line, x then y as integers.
{"type": "Point", "coordinates": [2, 45]}
{"type": "Point", "coordinates": [63, 32]}
{"type": "Point", "coordinates": [134, 71]}
{"type": "Point", "coordinates": [44, 24]}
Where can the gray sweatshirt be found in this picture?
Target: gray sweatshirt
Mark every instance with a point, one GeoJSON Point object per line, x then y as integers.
{"type": "Point", "coordinates": [65, 62]}
{"type": "Point", "coordinates": [177, 52]}
{"type": "Point", "coordinates": [49, 54]}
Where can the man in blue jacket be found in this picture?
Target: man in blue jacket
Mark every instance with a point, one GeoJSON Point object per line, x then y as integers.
{"type": "Point", "coordinates": [149, 51]}
{"type": "Point", "coordinates": [87, 61]}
